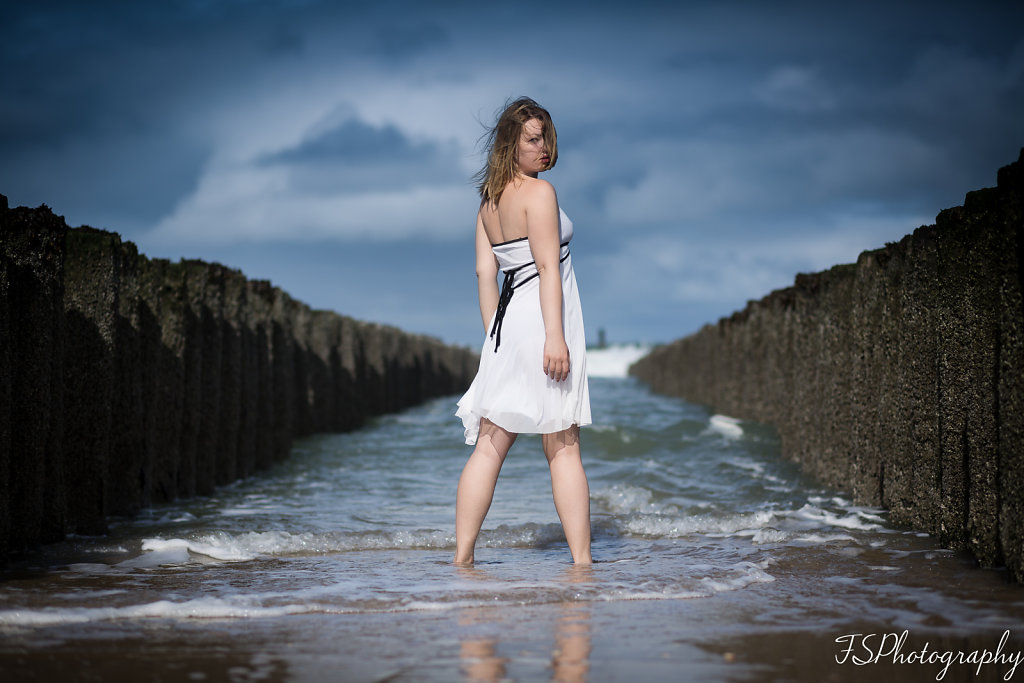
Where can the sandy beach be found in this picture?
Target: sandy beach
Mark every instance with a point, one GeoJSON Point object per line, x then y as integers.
{"type": "Point", "coordinates": [730, 637]}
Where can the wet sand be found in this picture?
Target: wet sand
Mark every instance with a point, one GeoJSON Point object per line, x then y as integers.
{"type": "Point", "coordinates": [767, 632]}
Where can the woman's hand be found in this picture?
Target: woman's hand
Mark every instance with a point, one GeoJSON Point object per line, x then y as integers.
{"type": "Point", "coordinates": [556, 358]}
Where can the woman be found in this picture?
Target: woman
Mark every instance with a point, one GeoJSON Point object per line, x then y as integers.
{"type": "Point", "coordinates": [532, 376]}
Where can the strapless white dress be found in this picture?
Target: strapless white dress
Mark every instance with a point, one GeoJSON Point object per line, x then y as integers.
{"type": "Point", "coordinates": [510, 388]}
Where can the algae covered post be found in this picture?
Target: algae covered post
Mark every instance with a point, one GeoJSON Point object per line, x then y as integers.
{"type": "Point", "coordinates": [128, 381]}
{"type": "Point", "coordinates": [899, 378]}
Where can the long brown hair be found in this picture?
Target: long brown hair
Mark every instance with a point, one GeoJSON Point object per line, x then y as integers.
{"type": "Point", "coordinates": [503, 146]}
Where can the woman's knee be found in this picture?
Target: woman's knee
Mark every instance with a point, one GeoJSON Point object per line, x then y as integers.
{"type": "Point", "coordinates": [563, 443]}
{"type": "Point", "coordinates": [494, 439]}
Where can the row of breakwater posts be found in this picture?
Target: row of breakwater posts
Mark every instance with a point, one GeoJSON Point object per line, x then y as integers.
{"type": "Point", "coordinates": [127, 381]}
{"type": "Point", "coordinates": [899, 379]}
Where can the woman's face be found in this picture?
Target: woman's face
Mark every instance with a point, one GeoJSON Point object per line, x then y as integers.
{"type": "Point", "coordinates": [533, 157]}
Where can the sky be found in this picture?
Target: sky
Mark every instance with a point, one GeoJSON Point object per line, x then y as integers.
{"type": "Point", "coordinates": [708, 151]}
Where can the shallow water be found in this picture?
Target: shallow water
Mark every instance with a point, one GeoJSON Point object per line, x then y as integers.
{"type": "Point", "coordinates": [335, 565]}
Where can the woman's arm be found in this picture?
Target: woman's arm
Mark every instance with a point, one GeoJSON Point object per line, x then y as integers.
{"type": "Point", "coordinates": [486, 273]}
{"type": "Point", "coordinates": [542, 231]}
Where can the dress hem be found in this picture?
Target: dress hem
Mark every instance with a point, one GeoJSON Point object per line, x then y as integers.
{"type": "Point", "coordinates": [472, 430]}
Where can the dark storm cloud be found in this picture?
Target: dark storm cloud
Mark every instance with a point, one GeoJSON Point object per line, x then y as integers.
{"type": "Point", "coordinates": [708, 150]}
{"type": "Point", "coordinates": [355, 142]}
{"type": "Point", "coordinates": [96, 106]}
{"type": "Point", "coordinates": [353, 157]}
{"type": "Point", "coordinates": [119, 92]}
{"type": "Point", "coordinates": [123, 158]}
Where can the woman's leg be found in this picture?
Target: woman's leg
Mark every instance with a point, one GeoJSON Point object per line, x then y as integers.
{"type": "Point", "coordinates": [570, 490]}
{"type": "Point", "coordinates": [476, 486]}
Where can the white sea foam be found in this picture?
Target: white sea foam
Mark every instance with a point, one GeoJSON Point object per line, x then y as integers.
{"type": "Point", "coordinates": [853, 518]}
{"type": "Point", "coordinates": [235, 547]}
{"type": "Point", "coordinates": [616, 596]}
{"type": "Point", "coordinates": [245, 546]}
{"type": "Point", "coordinates": [625, 498]}
{"type": "Point", "coordinates": [218, 546]}
{"type": "Point", "coordinates": [708, 580]}
{"type": "Point", "coordinates": [251, 606]}
{"type": "Point", "coordinates": [770, 535]}
{"type": "Point", "coordinates": [614, 361]}
{"type": "Point", "coordinates": [201, 608]}
{"type": "Point", "coordinates": [172, 553]}
{"type": "Point", "coordinates": [729, 427]}
{"type": "Point", "coordinates": [678, 526]}
{"type": "Point", "coordinates": [821, 539]}
{"type": "Point", "coordinates": [635, 511]}
{"type": "Point", "coordinates": [743, 575]}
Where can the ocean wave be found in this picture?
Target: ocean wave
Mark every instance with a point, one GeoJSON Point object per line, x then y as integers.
{"type": "Point", "coordinates": [226, 546]}
{"type": "Point", "coordinates": [434, 588]}
{"type": "Point", "coordinates": [636, 511]}
{"type": "Point", "coordinates": [726, 426]}
{"type": "Point", "coordinates": [705, 582]}
{"type": "Point", "coordinates": [614, 361]}
{"type": "Point", "coordinates": [622, 511]}
{"type": "Point", "coordinates": [201, 608]}
{"type": "Point", "coordinates": [627, 499]}
{"type": "Point", "coordinates": [805, 525]}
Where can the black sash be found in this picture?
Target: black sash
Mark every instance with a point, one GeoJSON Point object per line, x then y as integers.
{"type": "Point", "coordinates": [508, 286]}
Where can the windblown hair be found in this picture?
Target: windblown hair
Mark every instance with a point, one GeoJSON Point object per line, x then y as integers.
{"type": "Point", "coordinates": [503, 146]}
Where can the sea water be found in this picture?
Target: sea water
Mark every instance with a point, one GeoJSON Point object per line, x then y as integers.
{"type": "Point", "coordinates": [688, 507]}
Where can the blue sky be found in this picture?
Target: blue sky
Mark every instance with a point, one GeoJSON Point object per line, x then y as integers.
{"type": "Point", "coordinates": [709, 151]}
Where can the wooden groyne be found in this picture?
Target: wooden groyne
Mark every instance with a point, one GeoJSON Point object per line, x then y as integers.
{"type": "Point", "coordinates": [127, 381]}
{"type": "Point", "coordinates": [899, 379]}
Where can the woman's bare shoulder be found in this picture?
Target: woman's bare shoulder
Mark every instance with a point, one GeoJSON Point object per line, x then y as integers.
{"type": "Point", "coordinates": [538, 192]}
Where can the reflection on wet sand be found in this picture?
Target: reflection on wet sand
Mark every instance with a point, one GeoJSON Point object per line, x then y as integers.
{"type": "Point", "coordinates": [570, 660]}
{"type": "Point", "coordinates": [479, 661]}
{"type": "Point", "coordinates": [570, 653]}
{"type": "Point", "coordinates": [478, 658]}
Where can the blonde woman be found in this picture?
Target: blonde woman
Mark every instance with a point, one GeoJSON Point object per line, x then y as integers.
{"type": "Point", "coordinates": [532, 376]}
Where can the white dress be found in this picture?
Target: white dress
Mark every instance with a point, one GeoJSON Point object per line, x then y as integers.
{"type": "Point", "coordinates": [510, 388]}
